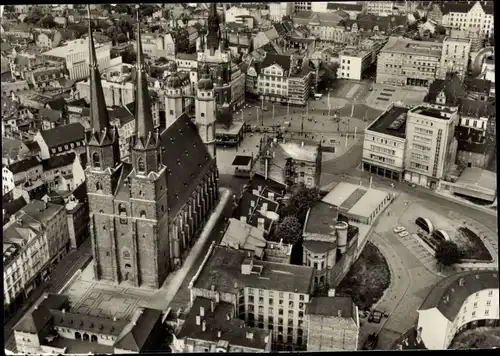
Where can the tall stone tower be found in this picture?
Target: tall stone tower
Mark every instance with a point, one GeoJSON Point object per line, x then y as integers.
{"type": "Point", "coordinates": [174, 97]}
{"type": "Point", "coordinates": [206, 111]}
{"type": "Point", "coordinates": [102, 172]}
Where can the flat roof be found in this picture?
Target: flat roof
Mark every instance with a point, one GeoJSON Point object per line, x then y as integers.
{"type": "Point", "coordinates": [321, 219]}
{"type": "Point", "coordinates": [430, 112]}
{"type": "Point", "coordinates": [300, 152]}
{"type": "Point", "coordinates": [223, 270]}
{"type": "Point", "coordinates": [241, 160]}
{"type": "Point", "coordinates": [368, 203]}
{"type": "Point", "coordinates": [409, 46]}
{"type": "Point", "coordinates": [384, 123]}
{"type": "Point", "coordinates": [339, 194]}
{"type": "Point", "coordinates": [353, 199]}
{"type": "Point", "coordinates": [479, 177]}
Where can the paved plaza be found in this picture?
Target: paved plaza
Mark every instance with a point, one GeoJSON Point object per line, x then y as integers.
{"type": "Point", "coordinates": [384, 95]}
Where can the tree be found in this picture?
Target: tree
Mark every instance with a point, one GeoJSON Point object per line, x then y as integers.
{"type": "Point", "coordinates": [225, 117]}
{"type": "Point", "coordinates": [327, 75]}
{"type": "Point", "coordinates": [121, 38]}
{"type": "Point", "coordinates": [48, 21]}
{"type": "Point", "coordinates": [9, 8]}
{"type": "Point", "coordinates": [447, 253]}
{"type": "Point", "coordinates": [34, 16]}
{"type": "Point", "coordinates": [289, 230]}
{"type": "Point", "coordinates": [123, 9]}
{"type": "Point", "coordinates": [300, 202]}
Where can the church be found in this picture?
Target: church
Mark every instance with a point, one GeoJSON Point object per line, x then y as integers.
{"type": "Point", "coordinates": [145, 214]}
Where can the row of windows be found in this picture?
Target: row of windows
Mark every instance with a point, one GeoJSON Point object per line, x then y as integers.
{"type": "Point", "coordinates": [382, 150]}
{"type": "Point", "coordinates": [419, 166]}
{"type": "Point", "coordinates": [382, 159]}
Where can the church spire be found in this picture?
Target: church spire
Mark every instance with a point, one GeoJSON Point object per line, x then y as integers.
{"type": "Point", "coordinates": [144, 127]}
{"type": "Point", "coordinates": [98, 111]}
{"type": "Point", "coordinates": [213, 36]}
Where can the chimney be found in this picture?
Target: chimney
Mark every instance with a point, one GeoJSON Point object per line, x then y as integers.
{"type": "Point", "coordinates": [271, 195]}
{"type": "Point", "coordinates": [198, 320]}
{"type": "Point", "coordinates": [219, 334]}
{"type": "Point", "coordinates": [249, 335]}
{"type": "Point", "coordinates": [204, 326]}
{"type": "Point", "coordinates": [264, 207]}
{"type": "Point", "coordinates": [212, 306]}
{"type": "Point", "coordinates": [243, 219]}
{"type": "Point", "coordinates": [202, 311]}
{"type": "Point", "coordinates": [260, 223]}
{"type": "Point", "coordinates": [302, 144]}
{"type": "Point", "coordinates": [461, 282]}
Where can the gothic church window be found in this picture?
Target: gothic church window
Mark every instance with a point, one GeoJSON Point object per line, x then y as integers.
{"type": "Point", "coordinates": [96, 160]}
{"type": "Point", "coordinates": [98, 186]}
{"type": "Point", "coordinates": [141, 167]}
{"type": "Point", "coordinates": [143, 214]}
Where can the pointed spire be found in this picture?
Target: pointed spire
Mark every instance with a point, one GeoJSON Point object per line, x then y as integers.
{"type": "Point", "coordinates": [144, 118]}
{"type": "Point", "coordinates": [98, 111]}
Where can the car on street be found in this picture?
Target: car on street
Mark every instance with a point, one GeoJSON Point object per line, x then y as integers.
{"type": "Point", "coordinates": [398, 229]}
{"type": "Point", "coordinates": [375, 317]}
{"type": "Point", "coordinates": [371, 342]}
{"type": "Point", "coordinates": [403, 233]}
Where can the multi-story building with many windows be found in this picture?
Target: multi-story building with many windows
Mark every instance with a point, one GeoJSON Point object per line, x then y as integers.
{"type": "Point", "coordinates": [403, 61]}
{"type": "Point", "coordinates": [454, 57]}
{"type": "Point", "coordinates": [379, 8]}
{"type": "Point", "coordinates": [384, 144]}
{"type": "Point", "coordinates": [267, 295]}
{"type": "Point", "coordinates": [431, 145]}
{"type": "Point", "coordinates": [465, 15]}
{"type": "Point", "coordinates": [353, 64]}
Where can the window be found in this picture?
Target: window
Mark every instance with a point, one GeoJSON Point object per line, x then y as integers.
{"type": "Point", "coordinates": [250, 299]}
{"type": "Point", "coordinates": [96, 160]}
{"type": "Point", "coordinates": [126, 255]}
{"type": "Point", "coordinates": [280, 311]}
{"type": "Point", "coordinates": [140, 165]}
{"type": "Point", "coordinates": [98, 186]}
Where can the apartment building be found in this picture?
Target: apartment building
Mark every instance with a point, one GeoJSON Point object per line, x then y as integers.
{"type": "Point", "coordinates": [75, 56]}
{"type": "Point", "coordinates": [277, 10]}
{"type": "Point", "coordinates": [379, 8]}
{"type": "Point", "coordinates": [25, 259]}
{"type": "Point", "coordinates": [353, 64]}
{"type": "Point", "coordinates": [333, 324]}
{"type": "Point", "coordinates": [467, 15]}
{"type": "Point", "coordinates": [474, 297]}
{"type": "Point", "coordinates": [269, 296]}
{"type": "Point", "coordinates": [431, 146]}
{"type": "Point", "coordinates": [302, 6]}
{"type": "Point", "coordinates": [272, 80]}
{"type": "Point", "coordinates": [322, 25]}
{"type": "Point", "coordinates": [455, 57]}
{"type": "Point", "coordinates": [61, 140]}
{"type": "Point", "coordinates": [213, 326]}
{"type": "Point", "coordinates": [403, 61]}
{"type": "Point", "coordinates": [384, 144]}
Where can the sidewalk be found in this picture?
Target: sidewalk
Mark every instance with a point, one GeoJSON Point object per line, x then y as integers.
{"type": "Point", "coordinates": [175, 279]}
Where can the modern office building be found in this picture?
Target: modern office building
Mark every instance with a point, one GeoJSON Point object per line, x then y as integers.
{"type": "Point", "coordinates": [384, 144]}
{"type": "Point", "coordinates": [353, 64]}
{"type": "Point", "coordinates": [403, 61]}
{"type": "Point", "coordinates": [431, 145]}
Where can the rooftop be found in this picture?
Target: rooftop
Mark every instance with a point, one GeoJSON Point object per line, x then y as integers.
{"type": "Point", "coordinates": [340, 307]}
{"type": "Point", "coordinates": [223, 271]}
{"type": "Point", "coordinates": [255, 207]}
{"type": "Point", "coordinates": [321, 219]}
{"type": "Point", "coordinates": [222, 320]}
{"type": "Point", "coordinates": [391, 122]}
{"type": "Point", "coordinates": [409, 46]}
{"type": "Point", "coordinates": [42, 211]}
{"type": "Point", "coordinates": [478, 177]}
{"type": "Point", "coordinates": [24, 165]}
{"type": "Point", "coordinates": [240, 235]}
{"type": "Point", "coordinates": [242, 160]}
{"type": "Point", "coordinates": [62, 135]}
{"type": "Point", "coordinates": [449, 294]}
{"type": "Point", "coordinates": [299, 152]}
{"type": "Point", "coordinates": [429, 112]}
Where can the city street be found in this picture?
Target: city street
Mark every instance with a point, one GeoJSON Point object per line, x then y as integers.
{"type": "Point", "coordinates": [61, 274]}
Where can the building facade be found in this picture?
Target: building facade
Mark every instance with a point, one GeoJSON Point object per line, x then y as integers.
{"type": "Point", "coordinates": [455, 57]}
{"type": "Point", "coordinates": [277, 10]}
{"type": "Point", "coordinates": [384, 144]}
{"type": "Point", "coordinates": [408, 62]}
{"type": "Point", "coordinates": [472, 14]}
{"type": "Point", "coordinates": [431, 145]}
{"type": "Point", "coordinates": [353, 64]}
{"type": "Point", "coordinates": [379, 8]}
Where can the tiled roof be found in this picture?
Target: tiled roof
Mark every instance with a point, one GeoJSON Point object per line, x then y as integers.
{"type": "Point", "coordinates": [331, 306]}
{"type": "Point", "coordinates": [89, 323]}
{"type": "Point", "coordinates": [135, 338]}
{"type": "Point", "coordinates": [24, 165]}
{"type": "Point", "coordinates": [223, 271]}
{"type": "Point", "coordinates": [245, 206]}
{"type": "Point", "coordinates": [476, 108]}
{"type": "Point", "coordinates": [51, 115]}
{"type": "Point", "coordinates": [186, 158]}
{"type": "Point", "coordinates": [258, 180]}
{"type": "Point", "coordinates": [463, 7]}
{"type": "Point", "coordinates": [35, 320]}
{"type": "Point", "coordinates": [449, 294]}
{"type": "Point", "coordinates": [234, 330]}
{"type": "Point", "coordinates": [57, 104]}
{"type": "Point", "coordinates": [477, 85]}
{"type": "Point", "coordinates": [33, 146]}
{"type": "Point", "coordinates": [452, 88]}
{"type": "Point", "coordinates": [14, 206]}
{"type": "Point", "coordinates": [63, 135]}
{"type": "Point", "coordinates": [58, 161]}
{"type": "Point", "coordinates": [282, 61]}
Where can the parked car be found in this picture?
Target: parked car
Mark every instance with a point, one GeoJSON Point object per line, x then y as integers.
{"type": "Point", "coordinates": [375, 317]}
{"type": "Point", "coordinates": [371, 342]}
{"type": "Point", "coordinates": [403, 233]}
{"type": "Point", "coordinates": [399, 229]}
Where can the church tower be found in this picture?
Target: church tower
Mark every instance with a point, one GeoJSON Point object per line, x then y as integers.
{"type": "Point", "coordinates": [213, 35]}
{"type": "Point", "coordinates": [174, 99]}
{"type": "Point", "coordinates": [206, 111]}
{"type": "Point", "coordinates": [103, 169]}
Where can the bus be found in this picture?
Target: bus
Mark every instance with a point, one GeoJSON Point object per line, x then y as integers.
{"type": "Point", "coordinates": [318, 96]}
